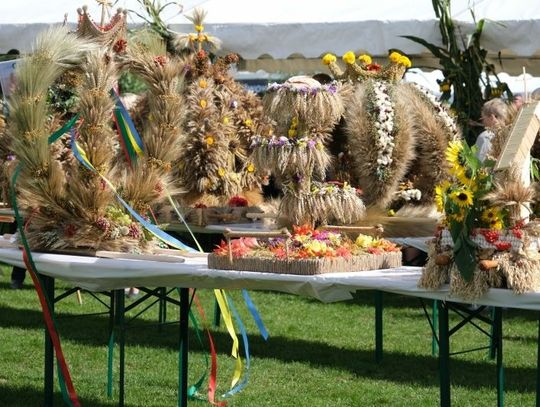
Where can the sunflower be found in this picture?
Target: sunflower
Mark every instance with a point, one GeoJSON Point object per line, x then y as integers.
{"type": "Point", "coordinates": [452, 152]}
{"type": "Point", "coordinates": [459, 172]}
{"type": "Point", "coordinates": [468, 182]}
{"type": "Point", "coordinates": [491, 214]}
{"type": "Point", "coordinates": [496, 224]}
{"type": "Point", "coordinates": [440, 193]}
{"type": "Point", "coordinates": [457, 217]}
{"type": "Point", "coordinates": [462, 197]}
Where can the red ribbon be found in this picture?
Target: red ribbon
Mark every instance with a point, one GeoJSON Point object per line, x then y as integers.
{"type": "Point", "coordinates": [52, 332]}
{"type": "Point", "coordinates": [212, 381]}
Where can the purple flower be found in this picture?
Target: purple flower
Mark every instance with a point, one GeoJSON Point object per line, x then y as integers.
{"type": "Point", "coordinates": [298, 178]}
{"type": "Point", "coordinates": [332, 89]}
{"type": "Point", "coordinates": [234, 104]}
{"type": "Point", "coordinates": [322, 235]}
{"type": "Point", "coordinates": [311, 143]}
{"type": "Point", "coordinates": [282, 141]}
{"type": "Point", "coordinates": [10, 157]}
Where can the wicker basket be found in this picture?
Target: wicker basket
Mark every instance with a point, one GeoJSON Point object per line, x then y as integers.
{"type": "Point", "coordinates": [307, 266]}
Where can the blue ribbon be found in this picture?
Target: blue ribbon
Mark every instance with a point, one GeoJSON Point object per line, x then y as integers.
{"type": "Point", "coordinates": [120, 108]}
{"type": "Point", "coordinates": [255, 314]}
{"type": "Point", "coordinates": [147, 225]}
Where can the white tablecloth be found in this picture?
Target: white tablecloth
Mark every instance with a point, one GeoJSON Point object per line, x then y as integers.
{"type": "Point", "coordinates": [99, 274]}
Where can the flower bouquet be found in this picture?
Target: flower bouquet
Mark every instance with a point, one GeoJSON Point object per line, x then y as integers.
{"type": "Point", "coordinates": [235, 212]}
{"type": "Point", "coordinates": [484, 241]}
{"type": "Point", "coordinates": [306, 251]}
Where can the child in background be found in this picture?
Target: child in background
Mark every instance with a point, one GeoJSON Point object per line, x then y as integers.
{"type": "Point", "coordinates": [494, 115]}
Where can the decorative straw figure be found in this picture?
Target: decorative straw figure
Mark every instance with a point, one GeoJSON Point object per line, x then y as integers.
{"type": "Point", "coordinates": [396, 132]}
{"type": "Point", "coordinates": [152, 180]}
{"type": "Point", "coordinates": [221, 120]}
{"type": "Point", "coordinates": [304, 112]}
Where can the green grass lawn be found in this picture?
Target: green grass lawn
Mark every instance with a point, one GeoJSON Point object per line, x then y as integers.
{"type": "Point", "coordinates": [317, 355]}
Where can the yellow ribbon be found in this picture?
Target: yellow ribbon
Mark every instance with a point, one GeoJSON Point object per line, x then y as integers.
{"type": "Point", "coordinates": [225, 312]}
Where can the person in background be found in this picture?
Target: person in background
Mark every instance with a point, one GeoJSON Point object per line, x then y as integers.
{"type": "Point", "coordinates": [494, 115]}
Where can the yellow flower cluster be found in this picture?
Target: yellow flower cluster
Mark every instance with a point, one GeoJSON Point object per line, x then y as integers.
{"type": "Point", "coordinates": [199, 28]}
{"type": "Point", "coordinates": [349, 57]}
{"type": "Point", "coordinates": [292, 129]}
{"type": "Point", "coordinates": [364, 241]}
{"type": "Point", "coordinates": [365, 59]}
{"type": "Point", "coordinates": [316, 248]}
{"type": "Point", "coordinates": [328, 59]}
{"type": "Point", "coordinates": [397, 58]}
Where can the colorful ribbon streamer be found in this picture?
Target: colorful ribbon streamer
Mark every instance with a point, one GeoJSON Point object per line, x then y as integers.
{"type": "Point", "coordinates": [212, 382]}
{"type": "Point", "coordinates": [222, 302]}
{"type": "Point", "coordinates": [66, 385]}
{"type": "Point", "coordinates": [243, 383]}
{"type": "Point", "coordinates": [129, 137]}
{"type": "Point", "coordinates": [255, 314]}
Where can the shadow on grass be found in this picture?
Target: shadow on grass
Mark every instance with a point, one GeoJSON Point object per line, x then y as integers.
{"type": "Point", "coordinates": [400, 367]}
{"type": "Point", "coordinates": [30, 396]}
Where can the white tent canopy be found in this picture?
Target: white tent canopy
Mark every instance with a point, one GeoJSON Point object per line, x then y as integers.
{"type": "Point", "coordinates": [273, 33]}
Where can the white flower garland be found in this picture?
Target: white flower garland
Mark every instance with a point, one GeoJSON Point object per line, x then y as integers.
{"type": "Point", "coordinates": [382, 113]}
{"type": "Point", "coordinates": [440, 110]}
{"type": "Point", "coordinates": [410, 194]}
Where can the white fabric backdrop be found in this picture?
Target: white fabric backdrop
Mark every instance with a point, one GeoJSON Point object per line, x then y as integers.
{"type": "Point", "coordinates": [281, 28]}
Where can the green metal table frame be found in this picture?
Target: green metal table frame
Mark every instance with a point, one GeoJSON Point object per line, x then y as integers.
{"type": "Point", "coordinates": [441, 330]}
{"type": "Point", "coordinates": [117, 310]}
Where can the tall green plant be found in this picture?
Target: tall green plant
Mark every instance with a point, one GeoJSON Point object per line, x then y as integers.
{"type": "Point", "coordinates": [463, 60]}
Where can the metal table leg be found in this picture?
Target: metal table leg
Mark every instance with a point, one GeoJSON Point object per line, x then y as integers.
{"type": "Point", "coordinates": [498, 344]}
{"type": "Point", "coordinates": [119, 314]}
{"type": "Point", "coordinates": [183, 356]}
{"type": "Point", "coordinates": [162, 310]}
{"type": "Point", "coordinates": [444, 354]}
{"type": "Point", "coordinates": [538, 365]}
{"type": "Point", "coordinates": [48, 288]}
{"type": "Point", "coordinates": [378, 326]}
{"type": "Point", "coordinates": [435, 319]}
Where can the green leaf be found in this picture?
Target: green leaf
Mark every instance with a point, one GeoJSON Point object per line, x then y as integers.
{"type": "Point", "coordinates": [465, 259]}
{"type": "Point", "coordinates": [437, 51]}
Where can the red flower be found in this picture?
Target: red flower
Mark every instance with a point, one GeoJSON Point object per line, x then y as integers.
{"type": "Point", "coordinates": [70, 230]}
{"type": "Point", "coordinates": [343, 252]}
{"type": "Point", "coordinates": [239, 247]}
{"type": "Point", "coordinates": [160, 60]}
{"type": "Point", "coordinates": [502, 246]}
{"type": "Point", "coordinates": [373, 67]}
{"type": "Point", "coordinates": [304, 230]}
{"type": "Point", "coordinates": [238, 201]}
{"type": "Point", "coordinates": [374, 250]}
{"type": "Point", "coordinates": [120, 46]}
{"type": "Point", "coordinates": [517, 232]}
{"type": "Point", "coordinates": [490, 235]}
